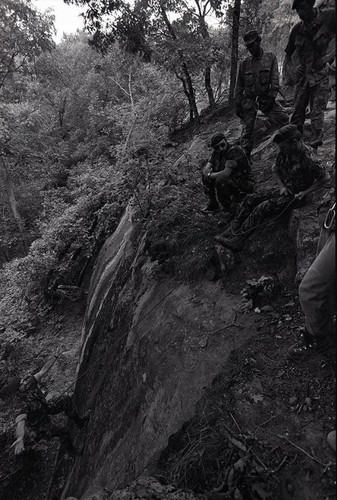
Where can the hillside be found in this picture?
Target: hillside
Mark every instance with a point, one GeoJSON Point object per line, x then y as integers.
{"type": "Point", "coordinates": [186, 378]}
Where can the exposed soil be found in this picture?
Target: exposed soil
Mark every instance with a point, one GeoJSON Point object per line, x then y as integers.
{"type": "Point", "coordinates": [260, 429]}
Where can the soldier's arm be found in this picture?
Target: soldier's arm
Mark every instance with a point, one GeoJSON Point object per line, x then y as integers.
{"type": "Point", "coordinates": [288, 65]}
{"type": "Point", "coordinates": [274, 79]}
{"type": "Point", "coordinates": [238, 92]}
{"type": "Point", "coordinates": [230, 165]}
{"type": "Point", "coordinates": [279, 182]}
{"type": "Point", "coordinates": [321, 62]}
{"type": "Point", "coordinates": [18, 444]}
{"type": "Point", "coordinates": [47, 366]}
{"type": "Point", "coordinates": [317, 184]}
{"type": "Point", "coordinates": [208, 168]}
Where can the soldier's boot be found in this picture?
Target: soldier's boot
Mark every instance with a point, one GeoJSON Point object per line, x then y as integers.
{"type": "Point", "coordinates": [309, 346]}
{"type": "Point", "coordinates": [213, 204]}
{"type": "Point", "coordinates": [234, 243]}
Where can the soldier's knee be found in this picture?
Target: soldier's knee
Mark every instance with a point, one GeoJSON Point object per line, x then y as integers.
{"type": "Point", "coordinates": [222, 182]}
{"type": "Point", "coordinates": [304, 290]}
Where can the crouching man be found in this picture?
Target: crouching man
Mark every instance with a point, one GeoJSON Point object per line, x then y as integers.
{"type": "Point", "coordinates": [226, 177]}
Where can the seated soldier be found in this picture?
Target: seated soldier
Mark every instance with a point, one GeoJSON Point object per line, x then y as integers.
{"type": "Point", "coordinates": [297, 172]}
{"type": "Point", "coordinates": [36, 410]}
{"type": "Point", "coordinates": [226, 176]}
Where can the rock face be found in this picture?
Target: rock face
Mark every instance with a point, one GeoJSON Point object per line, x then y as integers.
{"type": "Point", "coordinates": [144, 364]}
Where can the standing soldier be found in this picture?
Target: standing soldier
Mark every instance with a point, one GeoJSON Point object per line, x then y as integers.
{"type": "Point", "coordinates": [310, 39]}
{"type": "Point", "coordinates": [256, 88]}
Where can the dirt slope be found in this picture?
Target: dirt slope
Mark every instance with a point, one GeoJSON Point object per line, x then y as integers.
{"type": "Point", "coordinates": [258, 429]}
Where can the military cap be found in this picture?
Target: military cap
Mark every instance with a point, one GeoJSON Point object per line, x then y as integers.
{"type": "Point", "coordinates": [251, 36]}
{"type": "Point", "coordinates": [296, 3]}
{"type": "Point", "coordinates": [287, 132]}
{"type": "Point", "coordinates": [216, 138]}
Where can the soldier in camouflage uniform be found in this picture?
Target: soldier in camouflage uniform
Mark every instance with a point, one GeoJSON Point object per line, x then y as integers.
{"type": "Point", "coordinates": [297, 173]}
{"type": "Point", "coordinates": [35, 410]}
{"type": "Point", "coordinates": [310, 39]}
{"type": "Point", "coordinates": [256, 88]}
{"type": "Point", "coordinates": [226, 176]}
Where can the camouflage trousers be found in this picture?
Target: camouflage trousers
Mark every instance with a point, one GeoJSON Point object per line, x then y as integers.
{"type": "Point", "coordinates": [259, 207]}
{"type": "Point", "coordinates": [226, 190]}
{"type": "Point", "coordinates": [317, 97]}
{"type": "Point", "coordinates": [277, 116]}
{"type": "Point", "coordinates": [44, 428]}
{"type": "Point", "coordinates": [317, 289]}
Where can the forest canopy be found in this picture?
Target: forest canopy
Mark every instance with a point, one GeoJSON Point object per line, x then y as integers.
{"type": "Point", "coordinates": [82, 124]}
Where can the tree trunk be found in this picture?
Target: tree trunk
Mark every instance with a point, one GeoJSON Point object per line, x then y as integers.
{"type": "Point", "coordinates": [11, 197]}
{"type": "Point", "coordinates": [208, 85]}
{"type": "Point", "coordinates": [235, 47]}
{"type": "Point", "coordinates": [208, 66]}
{"type": "Point", "coordinates": [188, 87]}
{"type": "Point", "coordinates": [186, 92]}
{"type": "Point", "coordinates": [13, 203]}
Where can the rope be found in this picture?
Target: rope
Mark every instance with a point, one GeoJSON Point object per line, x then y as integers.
{"type": "Point", "coordinates": [267, 223]}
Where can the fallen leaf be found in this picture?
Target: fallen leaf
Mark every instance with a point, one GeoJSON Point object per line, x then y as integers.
{"type": "Point", "coordinates": [257, 397]}
{"type": "Point", "coordinates": [239, 465]}
{"type": "Point", "coordinates": [267, 308]}
{"type": "Point", "coordinates": [293, 400]}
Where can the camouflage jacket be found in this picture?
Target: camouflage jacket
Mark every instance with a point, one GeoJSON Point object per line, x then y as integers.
{"type": "Point", "coordinates": [33, 403]}
{"type": "Point", "coordinates": [257, 77]}
{"type": "Point", "coordinates": [299, 172]}
{"type": "Point", "coordinates": [311, 42]}
{"type": "Point", "coordinates": [235, 153]}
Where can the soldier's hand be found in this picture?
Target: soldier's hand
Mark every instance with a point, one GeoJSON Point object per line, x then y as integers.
{"type": "Point", "coordinates": [320, 63]}
{"type": "Point", "coordinates": [300, 72]}
{"type": "Point", "coordinates": [18, 446]}
{"type": "Point", "coordinates": [207, 170]}
{"type": "Point", "coordinates": [300, 195]}
{"type": "Point", "coordinates": [58, 352]}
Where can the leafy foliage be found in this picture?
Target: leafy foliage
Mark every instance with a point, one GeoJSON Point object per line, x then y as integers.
{"type": "Point", "coordinates": [101, 120]}
{"type": "Point", "coordinates": [81, 132]}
